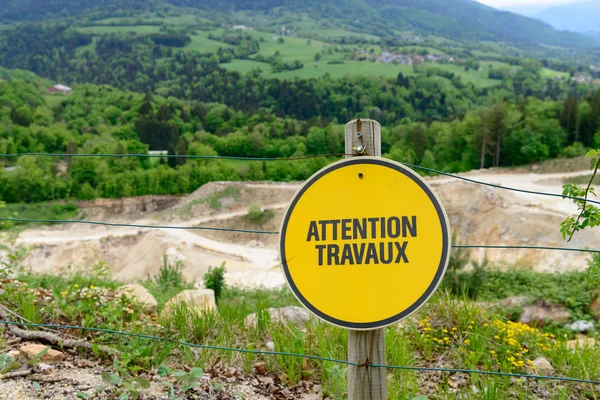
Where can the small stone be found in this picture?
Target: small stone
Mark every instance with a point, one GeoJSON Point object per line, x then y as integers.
{"type": "Point", "coordinates": [43, 368]}
{"type": "Point", "coordinates": [29, 351]}
{"type": "Point", "coordinates": [292, 314]}
{"type": "Point", "coordinates": [270, 345]}
{"type": "Point", "coordinates": [543, 365]}
{"type": "Point", "coordinates": [514, 301]}
{"type": "Point", "coordinates": [581, 343]}
{"type": "Point", "coordinates": [539, 315]}
{"type": "Point", "coordinates": [260, 367]}
{"type": "Point", "coordinates": [581, 326]}
{"type": "Point", "coordinates": [14, 354]}
{"type": "Point", "coordinates": [199, 301]}
{"type": "Point", "coordinates": [83, 363]}
{"type": "Point", "coordinates": [141, 294]}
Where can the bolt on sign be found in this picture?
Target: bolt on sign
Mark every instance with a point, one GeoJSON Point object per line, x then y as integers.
{"type": "Point", "coordinates": [364, 243]}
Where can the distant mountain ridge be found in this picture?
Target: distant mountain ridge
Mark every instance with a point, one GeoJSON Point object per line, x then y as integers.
{"type": "Point", "coordinates": [461, 20]}
{"type": "Point", "coordinates": [464, 20]}
{"type": "Point", "coordinates": [581, 17]}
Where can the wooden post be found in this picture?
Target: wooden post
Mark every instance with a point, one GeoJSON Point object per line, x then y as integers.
{"type": "Point", "coordinates": [363, 138]}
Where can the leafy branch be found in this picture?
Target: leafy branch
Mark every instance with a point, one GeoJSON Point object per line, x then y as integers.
{"type": "Point", "coordinates": [589, 215]}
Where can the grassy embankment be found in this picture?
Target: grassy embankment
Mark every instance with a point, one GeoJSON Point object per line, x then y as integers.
{"type": "Point", "coordinates": [450, 331]}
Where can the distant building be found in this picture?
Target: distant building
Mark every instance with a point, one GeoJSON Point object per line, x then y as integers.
{"type": "Point", "coordinates": [418, 59]}
{"type": "Point", "coordinates": [583, 78]}
{"type": "Point", "coordinates": [60, 89]}
{"type": "Point", "coordinates": [241, 28]}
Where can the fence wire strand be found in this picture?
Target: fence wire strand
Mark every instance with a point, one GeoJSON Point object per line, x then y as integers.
{"type": "Point", "coordinates": [298, 355]}
{"type": "Point", "coordinates": [260, 232]}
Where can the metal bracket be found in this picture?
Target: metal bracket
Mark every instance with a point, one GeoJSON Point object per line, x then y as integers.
{"type": "Point", "coordinates": [360, 149]}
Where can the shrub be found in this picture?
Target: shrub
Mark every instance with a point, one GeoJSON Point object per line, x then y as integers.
{"type": "Point", "coordinates": [215, 279]}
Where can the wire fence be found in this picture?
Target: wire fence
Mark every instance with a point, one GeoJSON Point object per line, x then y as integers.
{"type": "Point", "coordinates": [298, 355]}
{"type": "Point", "coordinates": [261, 232]}
{"type": "Point", "coordinates": [290, 354]}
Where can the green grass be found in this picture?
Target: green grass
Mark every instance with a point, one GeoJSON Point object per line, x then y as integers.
{"type": "Point", "coordinates": [478, 78]}
{"type": "Point", "coordinates": [88, 47]}
{"type": "Point", "coordinates": [36, 211]}
{"type": "Point", "coordinates": [447, 332]}
{"type": "Point", "coordinates": [152, 19]}
{"type": "Point", "coordinates": [584, 180]}
{"type": "Point", "coordinates": [431, 50]}
{"type": "Point", "coordinates": [551, 73]}
{"type": "Point", "coordinates": [315, 70]}
{"type": "Point", "coordinates": [337, 33]}
{"type": "Point", "coordinates": [53, 100]}
{"type": "Point", "coordinates": [245, 66]}
{"type": "Point", "coordinates": [100, 30]}
{"type": "Point", "coordinates": [202, 44]}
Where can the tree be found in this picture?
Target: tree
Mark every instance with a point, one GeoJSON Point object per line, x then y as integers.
{"type": "Point", "coordinates": [172, 161]}
{"type": "Point", "coordinates": [496, 124]}
{"type": "Point", "coordinates": [317, 57]}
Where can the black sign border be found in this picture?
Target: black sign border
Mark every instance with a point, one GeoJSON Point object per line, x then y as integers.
{"type": "Point", "coordinates": [443, 260]}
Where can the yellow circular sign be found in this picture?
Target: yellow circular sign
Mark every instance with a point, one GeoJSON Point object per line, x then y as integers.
{"type": "Point", "coordinates": [364, 243]}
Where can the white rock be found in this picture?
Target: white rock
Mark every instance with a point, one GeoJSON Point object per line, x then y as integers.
{"type": "Point", "coordinates": [149, 304]}
{"type": "Point", "coordinates": [538, 315]}
{"type": "Point", "coordinates": [581, 343]}
{"type": "Point", "coordinates": [197, 301]}
{"type": "Point", "coordinates": [292, 314]}
{"type": "Point", "coordinates": [543, 365]}
{"type": "Point", "coordinates": [514, 301]}
{"type": "Point", "coordinates": [581, 326]}
{"type": "Point", "coordinates": [270, 345]}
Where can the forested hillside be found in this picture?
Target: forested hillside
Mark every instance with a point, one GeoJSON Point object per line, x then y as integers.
{"type": "Point", "coordinates": [454, 19]}
{"type": "Point", "coordinates": [463, 20]}
{"type": "Point", "coordinates": [102, 119]}
{"type": "Point", "coordinates": [27, 10]}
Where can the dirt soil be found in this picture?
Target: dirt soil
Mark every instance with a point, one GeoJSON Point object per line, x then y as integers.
{"type": "Point", "coordinates": [478, 214]}
{"type": "Point", "coordinates": [78, 375]}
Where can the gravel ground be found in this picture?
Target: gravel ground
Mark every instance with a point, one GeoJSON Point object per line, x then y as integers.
{"type": "Point", "coordinates": [64, 380]}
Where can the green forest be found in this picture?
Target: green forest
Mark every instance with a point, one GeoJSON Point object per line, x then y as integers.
{"type": "Point", "coordinates": [105, 120]}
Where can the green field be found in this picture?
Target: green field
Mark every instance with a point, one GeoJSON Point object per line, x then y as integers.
{"type": "Point", "coordinates": [551, 73]}
{"type": "Point", "coordinates": [337, 33]}
{"type": "Point", "coordinates": [53, 100]}
{"type": "Point", "coordinates": [478, 78]}
{"type": "Point", "coordinates": [304, 50]}
{"type": "Point", "coordinates": [100, 30]}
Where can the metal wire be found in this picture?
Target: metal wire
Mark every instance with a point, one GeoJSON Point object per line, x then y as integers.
{"type": "Point", "coordinates": [78, 221]}
{"type": "Point", "coordinates": [498, 186]}
{"type": "Point", "coordinates": [211, 228]}
{"type": "Point", "coordinates": [214, 228]}
{"type": "Point", "coordinates": [312, 357]}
